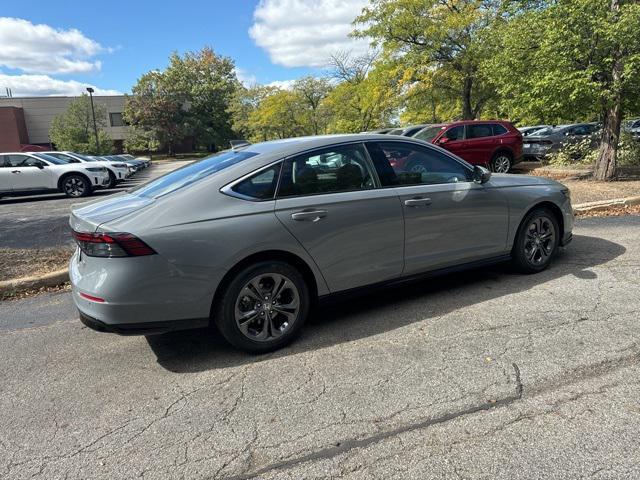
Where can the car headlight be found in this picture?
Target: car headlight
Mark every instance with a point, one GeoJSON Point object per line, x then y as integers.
{"type": "Point", "coordinates": [97, 169]}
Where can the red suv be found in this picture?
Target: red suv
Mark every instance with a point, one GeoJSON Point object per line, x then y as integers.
{"type": "Point", "coordinates": [494, 144]}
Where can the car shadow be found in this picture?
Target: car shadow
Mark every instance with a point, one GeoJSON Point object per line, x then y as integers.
{"type": "Point", "coordinates": [355, 317]}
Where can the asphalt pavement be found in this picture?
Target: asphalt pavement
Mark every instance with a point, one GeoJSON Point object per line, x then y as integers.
{"type": "Point", "coordinates": [484, 374]}
{"type": "Point", "coordinates": [42, 221]}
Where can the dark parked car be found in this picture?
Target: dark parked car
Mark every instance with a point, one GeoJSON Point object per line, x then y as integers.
{"type": "Point", "coordinates": [552, 139]}
{"type": "Point", "coordinates": [494, 144]}
{"type": "Point", "coordinates": [526, 131]}
{"type": "Point", "coordinates": [250, 238]}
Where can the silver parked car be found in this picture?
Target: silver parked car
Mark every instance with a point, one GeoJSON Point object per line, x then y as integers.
{"type": "Point", "coordinates": [552, 139]}
{"type": "Point", "coordinates": [249, 239]}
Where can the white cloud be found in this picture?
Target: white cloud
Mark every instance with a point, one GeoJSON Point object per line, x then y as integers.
{"type": "Point", "coordinates": [44, 49]}
{"type": "Point", "coordinates": [283, 84]}
{"type": "Point", "coordinates": [43, 85]}
{"type": "Point", "coordinates": [305, 33]}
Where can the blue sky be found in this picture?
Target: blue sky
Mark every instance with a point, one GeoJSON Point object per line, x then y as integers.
{"type": "Point", "coordinates": [56, 47]}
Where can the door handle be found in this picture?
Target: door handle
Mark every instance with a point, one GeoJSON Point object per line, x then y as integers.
{"type": "Point", "coordinates": [313, 215]}
{"type": "Point", "coordinates": [15, 171]}
{"type": "Point", "coordinates": [417, 202]}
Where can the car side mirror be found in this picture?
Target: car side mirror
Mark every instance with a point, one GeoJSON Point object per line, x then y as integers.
{"type": "Point", "coordinates": [480, 174]}
{"type": "Point", "coordinates": [40, 165]}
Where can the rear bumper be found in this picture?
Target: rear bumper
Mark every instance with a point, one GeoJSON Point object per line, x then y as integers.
{"type": "Point", "coordinates": [148, 328]}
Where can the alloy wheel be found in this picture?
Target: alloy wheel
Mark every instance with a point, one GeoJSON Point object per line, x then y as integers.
{"type": "Point", "coordinates": [501, 164]}
{"type": "Point", "coordinates": [267, 307]}
{"type": "Point", "coordinates": [539, 240]}
{"type": "Point", "coordinates": [74, 186]}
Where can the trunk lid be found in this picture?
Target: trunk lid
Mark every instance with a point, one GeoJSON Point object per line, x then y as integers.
{"type": "Point", "coordinates": [87, 217]}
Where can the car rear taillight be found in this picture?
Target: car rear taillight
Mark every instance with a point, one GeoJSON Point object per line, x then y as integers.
{"type": "Point", "coordinates": [111, 245]}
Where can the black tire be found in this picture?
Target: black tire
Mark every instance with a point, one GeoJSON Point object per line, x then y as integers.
{"type": "Point", "coordinates": [235, 295]}
{"type": "Point", "coordinates": [523, 256]}
{"type": "Point", "coordinates": [75, 186]}
{"type": "Point", "coordinates": [501, 162]}
{"type": "Point", "coordinates": [112, 180]}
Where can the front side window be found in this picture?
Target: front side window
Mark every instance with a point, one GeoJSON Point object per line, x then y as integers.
{"type": "Point", "coordinates": [455, 133]}
{"type": "Point", "coordinates": [479, 131]}
{"type": "Point", "coordinates": [260, 186]}
{"type": "Point", "coordinates": [21, 161]}
{"type": "Point", "coordinates": [407, 164]}
{"type": "Point", "coordinates": [191, 173]}
{"type": "Point", "coordinates": [330, 170]}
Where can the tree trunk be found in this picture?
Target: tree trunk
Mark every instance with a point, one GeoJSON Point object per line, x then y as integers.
{"type": "Point", "coordinates": [467, 109]}
{"type": "Point", "coordinates": [606, 163]}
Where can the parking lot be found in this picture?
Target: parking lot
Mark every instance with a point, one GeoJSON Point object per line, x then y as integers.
{"type": "Point", "coordinates": [484, 374]}
{"type": "Point", "coordinates": [41, 221]}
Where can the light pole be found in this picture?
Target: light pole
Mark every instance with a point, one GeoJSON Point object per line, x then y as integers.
{"type": "Point", "coordinates": [95, 126]}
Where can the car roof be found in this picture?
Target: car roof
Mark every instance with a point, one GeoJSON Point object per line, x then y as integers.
{"type": "Point", "coordinates": [289, 146]}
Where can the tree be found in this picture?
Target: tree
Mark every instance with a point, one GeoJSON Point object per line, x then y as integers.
{"type": "Point", "coordinates": [312, 92]}
{"type": "Point", "coordinates": [245, 101]}
{"type": "Point", "coordinates": [278, 116]}
{"type": "Point", "coordinates": [569, 60]}
{"type": "Point", "coordinates": [156, 108]}
{"type": "Point", "coordinates": [73, 129]}
{"type": "Point", "coordinates": [441, 36]}
{"type": "Point", "coordinates": [139, 140]}
{"type": "Point", "coordinates": [206, 82]}
{"type": "Point", "coordinates": [366, 95]}
{"type": "Point", "coordinates": [191, 98]}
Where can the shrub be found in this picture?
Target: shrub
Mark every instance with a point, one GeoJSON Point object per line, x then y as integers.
{"type": "Point", "coordinates": [579, 153]}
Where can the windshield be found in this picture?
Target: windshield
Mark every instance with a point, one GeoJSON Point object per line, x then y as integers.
{"type": "Point", "coordinates": [546, 131]}
{"type": "Point", "coordinates": [191, 173]}
{"type": "Point", "coordinates": [50, 159]}
{"type": "Point", "coordinates": [428, 134]}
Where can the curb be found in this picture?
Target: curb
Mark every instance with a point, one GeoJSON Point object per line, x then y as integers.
{"type": "Point", "coordinates": [16, 285]}
{"type": "Point", "coordinates": [605, 204]}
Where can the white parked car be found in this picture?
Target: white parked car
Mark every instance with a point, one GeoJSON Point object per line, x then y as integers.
{"type": "Point", "coordinates": [30, 172]}
{"type": "Point", "coordinates": [118, 172]}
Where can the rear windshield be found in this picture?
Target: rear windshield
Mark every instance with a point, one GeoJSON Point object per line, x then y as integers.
{"type": "Point", "coordinates": [191, 173]}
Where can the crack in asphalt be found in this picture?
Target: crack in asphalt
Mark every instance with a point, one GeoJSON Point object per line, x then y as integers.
{"type": "Point", "coordinates": [580, 374]}
{"type": "Point", "coordinates": [347, 445]}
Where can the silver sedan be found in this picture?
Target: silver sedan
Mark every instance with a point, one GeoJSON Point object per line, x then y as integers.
{"type": "Point", "coordinates": [251, 238]}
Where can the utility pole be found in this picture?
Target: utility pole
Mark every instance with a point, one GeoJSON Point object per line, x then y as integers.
{"type": "Point", "coordinates": [95, 126]}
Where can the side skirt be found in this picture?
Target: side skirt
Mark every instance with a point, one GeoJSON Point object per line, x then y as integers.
{"type": "Point", "coordinates": [366, 289]}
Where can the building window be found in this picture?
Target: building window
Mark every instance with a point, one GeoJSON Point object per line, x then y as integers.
{"type": "Point", "coordinates": [116, 119]}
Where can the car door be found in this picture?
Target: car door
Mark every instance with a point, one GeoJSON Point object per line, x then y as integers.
{"type": "Point", "coordinates": [328, 199]}
{"type": "Point", "coordinates": [449, 219]}
{"type": "Point", "coordinates": [453, 140]}
{"type": "Point", "coordinates": [5, 175]}
{"type": "Point", "coordinates": [480, 143]}
{"type": "Point", "coordinates": [27, 174]}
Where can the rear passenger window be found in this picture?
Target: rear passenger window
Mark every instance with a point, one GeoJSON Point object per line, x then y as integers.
{"type": "Point", "coordinates": [498, 129]}
{"type": "Point", "coordinates": [407, 164]}
{"type": "Point", "coordinates": [337, 169]}
{"type": "Point", "coordinates": [479, 131]}
{"type": "Point", "coordinates": [261, 186]}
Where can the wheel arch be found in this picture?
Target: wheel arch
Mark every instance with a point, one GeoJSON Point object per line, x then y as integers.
{"type": "Point", "coordinates": [68, 174]}
{"type": "Point", "coordinates": [269, 255]}
{"type": "Point", "coordinates": [552, 207]}
{"type": "Point", "coordinates": [502, 149]}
